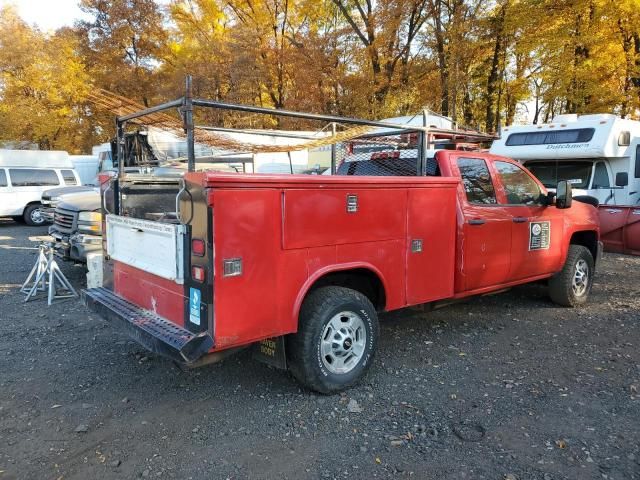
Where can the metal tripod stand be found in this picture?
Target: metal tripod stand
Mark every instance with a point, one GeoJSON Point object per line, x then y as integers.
{"type": "Point", "coordinates": [44, 275]}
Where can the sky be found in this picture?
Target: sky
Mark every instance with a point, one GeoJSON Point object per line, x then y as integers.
{"type": "Point", "coordinates": [47, 14]}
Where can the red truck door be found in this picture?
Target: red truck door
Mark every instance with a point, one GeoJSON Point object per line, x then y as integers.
{"type": "Point", "coordinates": [484, 242]}
{"type": "Point", "coordinates": [536, 229]}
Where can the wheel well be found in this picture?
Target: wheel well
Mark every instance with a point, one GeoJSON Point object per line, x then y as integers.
{"type": "Point", "coordinates": [35, 202]}
{"type": "Point", "coordinates": [587, 239]}
{"type": "Point", "coordinates": [360, 279]}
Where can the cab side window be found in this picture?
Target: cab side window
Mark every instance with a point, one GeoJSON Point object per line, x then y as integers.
{"type": "Point", "coordinates": [3, 179]}
{"type": "Point", "coordinates": [600, 176]}
{"type": "Point", "coordinates": [519, 187]}
{"type": "Point", "coordinates": [477, 181]}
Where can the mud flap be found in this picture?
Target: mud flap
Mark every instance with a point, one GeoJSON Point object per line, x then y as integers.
{"type": "Point", "coordinates": [271, 351]}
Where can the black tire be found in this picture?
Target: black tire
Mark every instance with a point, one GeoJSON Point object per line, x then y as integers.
{"type": "Point", "coordinates": [32, 217]}
{"type": "Point", "coordinates": [562, 288]}
{"type": "Point", "coordinates": [18, 219]}
{"type": "Point", "coordinates": [305, 348]}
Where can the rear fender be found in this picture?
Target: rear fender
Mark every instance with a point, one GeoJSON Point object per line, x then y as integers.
{"type": "Point", "coordinates": [318, 274]}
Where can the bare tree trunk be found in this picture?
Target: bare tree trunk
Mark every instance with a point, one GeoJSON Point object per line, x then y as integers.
{"type": "Point", "coordinates": [492, 80]}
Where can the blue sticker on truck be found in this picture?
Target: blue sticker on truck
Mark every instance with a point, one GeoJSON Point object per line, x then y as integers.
{"type": "Point", "coordinates": [194, 305]}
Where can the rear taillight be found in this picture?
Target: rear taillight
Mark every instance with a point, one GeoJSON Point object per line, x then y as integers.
{"type": "Point", "coordinates": [198, 274]}
{"type": "Point", "coordinates": [198, 247]}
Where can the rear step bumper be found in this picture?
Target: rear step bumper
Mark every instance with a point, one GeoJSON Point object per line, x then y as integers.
{"type": "Point", "coordinates": [155, 333]}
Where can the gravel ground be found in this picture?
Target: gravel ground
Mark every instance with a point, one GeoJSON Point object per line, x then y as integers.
{"type": "Point", "coordinates": [501, 387]}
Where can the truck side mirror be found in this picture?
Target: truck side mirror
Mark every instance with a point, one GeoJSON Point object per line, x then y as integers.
{"type": "Point", "coordinates": [622, 179]}
{"type": "Point", "coordinates": [563, 195]}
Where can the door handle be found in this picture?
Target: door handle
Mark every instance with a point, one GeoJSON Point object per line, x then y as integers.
{"type": "Point", "coordinates": [477, 221]}
{"type": "Point", "coordinates": [520, 219]}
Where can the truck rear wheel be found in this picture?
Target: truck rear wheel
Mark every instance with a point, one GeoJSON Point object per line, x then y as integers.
{"type": "Point", "coordinates": [571, 286]}
{"type": "Point", "coordinates": [33, 216]}
{"type": "Point", "coordinates": [336, 340]}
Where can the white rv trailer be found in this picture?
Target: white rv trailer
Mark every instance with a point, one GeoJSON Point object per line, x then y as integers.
{"type": "Point", "coordinates": [599, 154]}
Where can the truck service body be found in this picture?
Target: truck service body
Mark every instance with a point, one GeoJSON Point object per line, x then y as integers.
{"type": "Point", "coordinates": [599, 154]}
{"type": "Point", "coordinates": [263, 259]}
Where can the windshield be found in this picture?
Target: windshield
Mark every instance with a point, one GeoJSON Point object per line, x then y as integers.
{"type": "Point", "coordinates": [577, 173]}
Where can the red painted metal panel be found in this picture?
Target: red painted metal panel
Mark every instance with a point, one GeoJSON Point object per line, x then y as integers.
{"type": "Point", "coordinates": [432, 221]}
{"type": "Point", "coordinates": [620, 228]}
{"type": "Point", "coordinates": [386, 259]}
{"type": "Point", "coordinates": [526, 262]}
{"type": "Point", "coordinates": [483, 251]}
{"type": "Point", "coordinates": [250, 224]}
{"type": "Point", "coordinates": [246, 226]}
{"type": "Point", "coordinates": [159, 295]}
{"type": "Point", "coordinates": [314, 218]}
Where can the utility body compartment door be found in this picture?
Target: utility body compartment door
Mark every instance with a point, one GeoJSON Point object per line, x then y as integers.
{"type": "Point", "coordinates": [431, 235]}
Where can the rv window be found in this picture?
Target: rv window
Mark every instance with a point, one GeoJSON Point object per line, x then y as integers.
{"type": "Point", "coordinates": [601, 177]}
{"type": "Point", "coordinates": [577, 173]}
{"type": "Point", "coordinates": [519, 187]}
{"type": "Point", "coordinates": [3, 179]}
{"type": "Point", "coordinates": [68, 177]}
{"type": "Point", "coordinates": [550, 137]}
{"type": "Point", "coordinates": [637, 172]}
{"type": "Point", "coordinates": [477, 180]}
{"type": "Point", "coordinates": [32, 177]}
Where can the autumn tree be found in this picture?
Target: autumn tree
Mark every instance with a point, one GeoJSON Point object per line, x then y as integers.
{"type": "Point", "coordinates": [386, 31]}
{"type": "Point", "coordinates": [123, 44]}
{"type": "Point", "coordinates": [43, 87]}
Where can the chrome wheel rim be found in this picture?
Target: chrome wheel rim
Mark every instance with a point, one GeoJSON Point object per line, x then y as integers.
{"type": "Point", "coordinates": [343, 342]}
{"type": "Point", "coordinates": [580, 278]}
{"type": "Point", "coordinates": [36, 216]}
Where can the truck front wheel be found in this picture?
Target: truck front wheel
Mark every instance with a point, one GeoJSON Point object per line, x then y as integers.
{"type": "Point", "coordinates": [336, 340]}
{"type": "Point", "coordinates": [571, 286]}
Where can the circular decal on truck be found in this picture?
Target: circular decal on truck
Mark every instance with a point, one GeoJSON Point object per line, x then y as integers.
{"type": "Point", "coordinates": [536, 229]}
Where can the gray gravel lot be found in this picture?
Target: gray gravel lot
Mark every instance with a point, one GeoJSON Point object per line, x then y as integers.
{"type": "Point", "coordinates": [505, 386]}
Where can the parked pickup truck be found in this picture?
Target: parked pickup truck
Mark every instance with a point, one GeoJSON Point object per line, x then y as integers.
{"type": "Point", "coordinates": [77, 225]}
{"type": "Point", "coordinates": [51, 198]}
{"type": "Point", "coordinates": [300, 266]}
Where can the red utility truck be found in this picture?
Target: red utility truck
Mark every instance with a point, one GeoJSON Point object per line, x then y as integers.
{"type": "Point", "coordinates": [299, 266]}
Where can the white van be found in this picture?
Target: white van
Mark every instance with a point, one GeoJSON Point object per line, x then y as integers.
{"type": "Point", "coordinates": [25, 174]}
